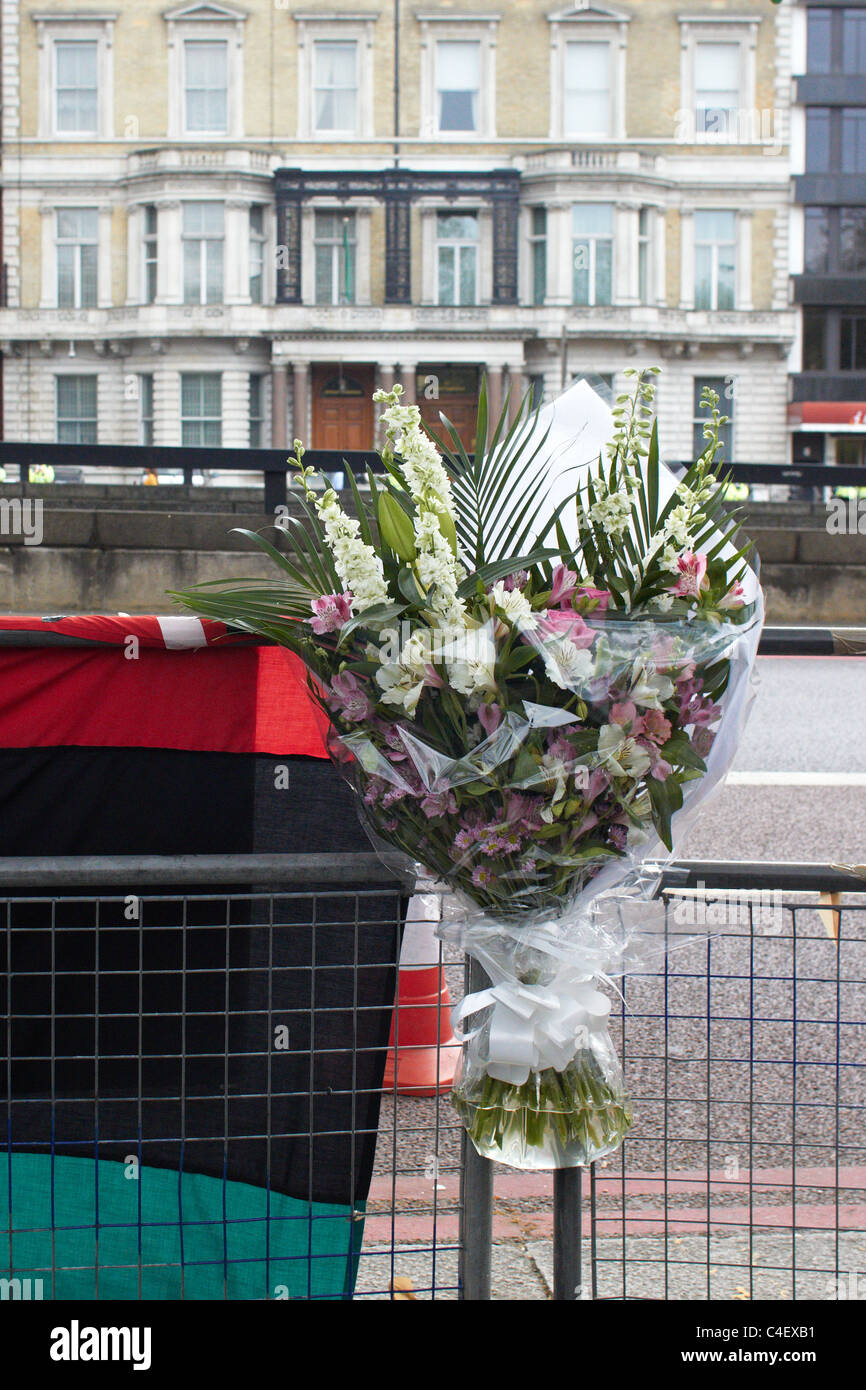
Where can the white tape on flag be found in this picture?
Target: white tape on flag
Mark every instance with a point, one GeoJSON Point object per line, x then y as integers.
{"type": "Point", "coordinates": [179, 632]}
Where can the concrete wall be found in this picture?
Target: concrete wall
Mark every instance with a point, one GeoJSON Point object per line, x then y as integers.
{"type": "Point", "coordinates": [100, 558]}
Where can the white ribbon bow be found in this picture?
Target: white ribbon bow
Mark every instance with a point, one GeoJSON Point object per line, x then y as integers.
{"type": "Point", "coordinates": [535, 1026]}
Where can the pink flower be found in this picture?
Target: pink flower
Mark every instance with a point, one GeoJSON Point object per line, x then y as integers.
{"type": "Point", "coordinates": [439, 804]}
{"type": "Point", "coordinates": [564, 585]}
{"type": "Point", "coordinates": [592, 600]}
{"type": "Point", "coordinates": [733, 598]}
{"type": "Point", "coordinates": [702, 741]}
{"type": "Point", "coordinates": [489, 717]}
{"type": "Point", "coordinates": [350, 698]}
{"type": "Point", "coordinates": [652, 727]}
{"type": "Point", "coordinates": [693, 575]}
{"type": "Point", "coordinates": [563, 623]}
{"type": "Point", "coordinates": [514, 581]}
{"type": "Point", "coordinates": [625, 713]}
{"type": "Point", "coordinates": [432, 677]}
{"type": "Point", "coordinates": [330, 612]}
{"type": "Point", "coordinates": [482, 876]}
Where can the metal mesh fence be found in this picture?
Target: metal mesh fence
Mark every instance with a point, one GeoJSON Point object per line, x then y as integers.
{"type": "Point", "coordinates": [151, 1045]}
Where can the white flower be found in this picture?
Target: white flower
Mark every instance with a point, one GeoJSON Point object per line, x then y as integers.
{"type": "Point", "coordinates": [678, 525]}
{"type": "Point", "coordinates": [357, 564]}
{"type": "Point", "coordinates": [403, 680]}
{"type": "Point", "coordinates": [670, 559]}
{"type": "Point", "coordinates": [662, 602]}
{"type": "Point", "coordinates": [567, 666]}
{"type": "Point", "coordinates": [470, 661]}
{"type": "Point", "coordinates": [515, 605]}
{"type": "Point", "coordinates": [612, 513]}
{"type": "Point", "coordinates": [649, 687]}
{"type": "Point", "coordinates": [621, 754]}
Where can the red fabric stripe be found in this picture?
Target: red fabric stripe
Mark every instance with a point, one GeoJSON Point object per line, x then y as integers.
{"type": "Point", "coordinates": [113, 628]}
{"type": "Point", "coordinates": [216, 699]}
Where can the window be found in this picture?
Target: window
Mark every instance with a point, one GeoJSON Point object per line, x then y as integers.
{"type": "Point", "coordinates": [145, 408]}
{"type": "Point", "coordinates": [77, 257]}
{"type": "Point", "coordinates": [535, 388]}
{"type": "Point", "coordinates": [854, 41]}
{"type": "Point", "coordinates": [814, 340]}
{"type": "Point", "coordinates": [257, 253]}
{"type": "Point", "coordinates": [852, 344]}
{"type": "Point", "coordinates": [205, 86]}
{"type": "Point", "coordinates": [538, 254]}
{"type": "Point", "coordinates": [76, 409]}
{"type": "Point", "coordinates": [458, 84]}
{"type": "Point", "coordinates": [852, 241]}
{"type": "Point", "coordinates": [201, 410]}
{"type": "Point", "coordinates": [819, 30]}
{"type": "Point", "coordinates": [722, 387]}
{"type": "Point", "coordinates": [853, 140]}
{"type": "Point", "coordinates": [717, 87]}
{"type": "Point", "coordinates": [202, 253]}
{"type": "Point", "coordinates": [150, 255]}
{"type": "Point", "coordinates": [76, 88]}
{"type": "Point", "coordinates": [256, 411]}
{"type": "Point", "coordinates": [335, 249]}
{"type": "Point", "coordinates": [586, 96]}
{"type": "Point", "coordinates": [592, 253]}
{"type": "Point", "coordinates": [715, 259]}
{"type": "Point", "coordinates": [817, 139]}
{"type": "Point", "coordinates": [817, 241]}
{"type": "Point", "coordinates": [643, 254]}
{"type": "Point", "coordinates": [335, 87]}
{"type": "Point", "coordinates": [457, 258]}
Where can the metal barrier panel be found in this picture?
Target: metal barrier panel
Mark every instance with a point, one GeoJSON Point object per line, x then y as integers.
{"type": "Point", "coordinates": [192, 1105]}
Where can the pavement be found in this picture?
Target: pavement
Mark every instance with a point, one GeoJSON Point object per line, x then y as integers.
{"type": "Point", "coordinates": [742, 1177]}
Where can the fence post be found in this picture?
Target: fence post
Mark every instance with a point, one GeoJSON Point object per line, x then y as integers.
{"type": "Point", "coordinates": [476, 1201]}
{"type": "Point", "coordinates": [567, 1207]}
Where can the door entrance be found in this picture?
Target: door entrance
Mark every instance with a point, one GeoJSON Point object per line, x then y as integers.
{"type": "Point", "coordinates": [454, 391]}
{"type": "Point", "coordinates": [342, 407]}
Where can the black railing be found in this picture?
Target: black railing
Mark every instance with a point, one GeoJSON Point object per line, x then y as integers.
{"type": "Point", "coordinates": [276, 464]}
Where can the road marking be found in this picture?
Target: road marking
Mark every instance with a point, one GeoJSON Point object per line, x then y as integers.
{"type": "Point", "coordinates": [796, 779]}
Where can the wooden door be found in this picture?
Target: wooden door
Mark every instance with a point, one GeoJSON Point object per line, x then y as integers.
{"type": "Point", "coordinates": [457, 398]}
{"type": "Point", "coordinates": [342, 407]}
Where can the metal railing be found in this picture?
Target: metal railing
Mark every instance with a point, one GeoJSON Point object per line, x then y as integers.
{"type": "Point", "coordinates": [276, 466]}
{"type": "Point", "coordinates": [744, 1174]}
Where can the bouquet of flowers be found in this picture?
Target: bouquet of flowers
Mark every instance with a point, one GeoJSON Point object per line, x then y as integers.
{"type": "Point", "coordinates": [532, 671]}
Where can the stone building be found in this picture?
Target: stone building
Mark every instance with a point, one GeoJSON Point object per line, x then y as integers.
{"type": "Point", "coordinates": [224, 223]}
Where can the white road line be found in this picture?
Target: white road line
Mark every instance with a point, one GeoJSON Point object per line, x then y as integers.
{"type": "Point", "coordinates": [796, 779]}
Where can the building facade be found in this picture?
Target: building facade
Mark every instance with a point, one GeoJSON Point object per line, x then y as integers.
{"type": "Point", "coordinates": [828, 384]}
{"type": "Point", "coordinates": [225, 224]}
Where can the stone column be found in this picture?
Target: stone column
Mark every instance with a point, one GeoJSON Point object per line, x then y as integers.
{"type": "Point", "coordinates": [406, 373]}
{"type": "Point", "coordinates": [104, 257]}
{"type": "Point", "coordinates": [517, 382]}
{"type": "Point", "coordinates": [279, 406]}
{"type": "Point", "coordinates": [494, 395]}
{"type": "Point", "coordinates": [300, 381]}
{"type": "Point", "coordinates": [687, 259]}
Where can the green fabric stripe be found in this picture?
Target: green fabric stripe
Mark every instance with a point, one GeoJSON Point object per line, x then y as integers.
{"type": "Point", "coordinates": [174, 1228]}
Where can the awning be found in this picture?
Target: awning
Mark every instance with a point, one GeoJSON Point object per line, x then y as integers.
{"type": "Point", "coordinates": [841, 417]}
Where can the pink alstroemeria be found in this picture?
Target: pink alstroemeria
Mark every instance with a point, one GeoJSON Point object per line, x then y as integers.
{"type": "Point", "coordinates": [693, 575]}
{"type": "Point", "coordinates": [432, 677]}
{"type": "Point", "coordinates": [597, 598]}
{"type": "Point", "coordinates": [564, 623]}
{"type": "Point", "coordinates": [489, 717]}
{"type": "Point", "coordinates": [350, 698]}
{"type": "Point", "coordinates": [652, 727]}
{"type": "Point", "coordinates": [330, 612]}
{"type": "Point", "coordinates": [623, 713]}
{"type": "Point", "coordinates": [564, 585]}
{"type": "Point", "coordinates": [517, 580]}
{"type": "Point", "coordinates": [733, 598]}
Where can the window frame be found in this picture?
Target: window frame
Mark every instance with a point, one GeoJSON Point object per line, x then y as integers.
{"type": "Point", "coordinates": [336, 245]}
{"type": "Point", "coordinates": [601, 24]}
{"type": "Point", "coordinates": [718, 28]}
{"type": "Point", "coordinates": [204, 240]}
{"type": "Point", "coordinates": [256, 421]}
{"type": "Point", "coordinates": [54, 29]}
{"type": "Point", "coordinates": [593, 238]}
{"type": "Point", "coordinates": [206, 131]}
{"type": "Point", "coordinates": [353, 27]}
{"type": "Point", "coordinates": [78, 420]}
{"type": "Point", "coordinates": [208, 22]}
{"type": "Point", "coordinates": [458, 245]}
{"type": "Point", "coordinates": [77, 244]}
{"type": "Point", "coordinates": [257, 239]}
{"type": "Point", "coordinates": [537, 241]}
{"type": "Point", "coordinates": [715, 244]}
{"type": "Point", "coordinates": [454, 28]}
{"type": "Point", "coordinates": [149, 254]}
{"type": "Point", "coordinates": [201, 419]}
{"type": "Point", "coordinates": [146, 414]}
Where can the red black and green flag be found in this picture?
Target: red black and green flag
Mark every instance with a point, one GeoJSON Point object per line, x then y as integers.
{"type": "Point", "coordinates": [189, 1079]}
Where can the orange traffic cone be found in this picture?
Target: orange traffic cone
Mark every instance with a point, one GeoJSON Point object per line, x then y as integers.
{"type": "Point", "coordinates": [425, 1057]}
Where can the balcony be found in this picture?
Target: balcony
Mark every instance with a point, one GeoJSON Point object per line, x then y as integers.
{"type": "Point", "coordinates": [830, 289]}
{"type": "Point", "coordinates": [828, 386]}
